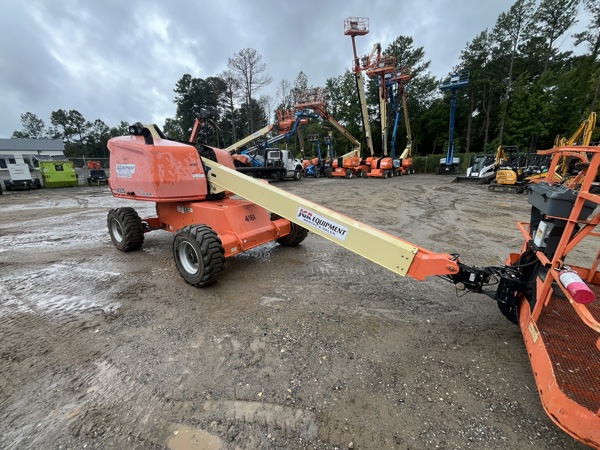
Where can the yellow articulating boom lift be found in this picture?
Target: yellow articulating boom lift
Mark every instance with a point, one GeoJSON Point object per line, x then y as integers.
{"type": "Point", "coordinates": [196, 190]}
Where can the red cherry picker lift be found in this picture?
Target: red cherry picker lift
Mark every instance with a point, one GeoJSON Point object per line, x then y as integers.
{"type": "Point", "coordinates": [554, 301]}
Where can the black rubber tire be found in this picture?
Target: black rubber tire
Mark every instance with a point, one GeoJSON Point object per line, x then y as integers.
{"type": "Point", "coordinates": [199, 255]}
{"type": "Point", "coordinates": [359, 173]}
{"type": "Point", "coordinates": [125, 229]}
{"type": "Point", "coordinates": [297, 174]}
{"type": "Point", "coordinates": [348, 173]}
{"type": "Point", "coordinates": [317, 173]}
{"type": "Point", "coordinates": [296, 236]}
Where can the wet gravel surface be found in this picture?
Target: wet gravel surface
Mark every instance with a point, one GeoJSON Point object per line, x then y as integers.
{"type": "Point", "coordinates": [306, 347]}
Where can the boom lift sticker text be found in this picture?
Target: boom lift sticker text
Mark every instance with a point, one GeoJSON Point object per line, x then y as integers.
{"type": "Point", "coordinates": [321, 223]}
{"type": "Point", "coordinates": [125, 170]}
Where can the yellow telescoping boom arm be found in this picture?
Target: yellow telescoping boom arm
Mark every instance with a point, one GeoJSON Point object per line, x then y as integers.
{"type": "Point", "coordinates": [250, 138]}
{"type": "Point", "coordinates": [375, 245]}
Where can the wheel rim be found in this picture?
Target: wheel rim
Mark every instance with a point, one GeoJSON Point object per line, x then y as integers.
{"type": "Point", "coordinates": [116, 230]}
{"type": "Point", "coordinates": [187, 257]}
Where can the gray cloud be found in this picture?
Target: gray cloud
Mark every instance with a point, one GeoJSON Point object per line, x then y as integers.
{"type": "Point", "coordinates": [115, 60]}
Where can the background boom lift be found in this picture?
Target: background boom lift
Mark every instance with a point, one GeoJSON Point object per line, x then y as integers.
{"type": "Point", "coordinates": [403, 164]}
{"type": "Point", "coordinates": [379, 66]}
{"type": "Point", "coordinates": [348, 165]}
{"type": "Point", "coordinates": [456, 81]}
{"type": "Point", "coordinates": [263, 161]}
{"type": "Point", "coordinates": [359, 26]}
{"type": "Point", "coordinates": [252, 137]}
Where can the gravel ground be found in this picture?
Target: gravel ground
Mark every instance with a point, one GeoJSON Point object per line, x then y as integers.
{"type": "Point", "coordinates": [293, 348]}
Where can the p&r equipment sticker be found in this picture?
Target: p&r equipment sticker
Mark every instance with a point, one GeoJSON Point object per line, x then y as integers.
{"type": "Point", "coordinates": [322, 223]}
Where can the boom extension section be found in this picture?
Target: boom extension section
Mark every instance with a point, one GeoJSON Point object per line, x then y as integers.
{"type": "Point", "coordinates": [395, 254]}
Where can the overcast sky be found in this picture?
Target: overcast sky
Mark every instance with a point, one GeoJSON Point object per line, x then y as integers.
{"type": "Point", "coordinates": [120, 59]}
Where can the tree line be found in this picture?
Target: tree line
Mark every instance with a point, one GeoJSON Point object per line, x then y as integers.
{"type": "Point", "coordinates": [523, 90]}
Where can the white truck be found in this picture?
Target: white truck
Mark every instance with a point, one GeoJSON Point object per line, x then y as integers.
{"type": "Point", "coordinates": [274, 163]}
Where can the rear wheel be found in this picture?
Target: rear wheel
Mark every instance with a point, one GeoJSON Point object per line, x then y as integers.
{"type": "Point", "coordinates": [317, 172]}
{"type": "Point", "coordinates": [125, 229]}
{"type": "Point", "coordinates": [359, 173]}
{"type": "Point", "coordinates": [198, 254]}
{"type": "Point", "coordinates": [296, 236]}
{"type": "Point", "coordinates": [348, 173]}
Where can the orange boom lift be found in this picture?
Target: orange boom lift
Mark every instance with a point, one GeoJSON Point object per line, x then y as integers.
{"type": "Point", "coordinates": [554, 301]}
{"type": "Point", "coordinates": [349, 165]}
{"type": "Point", "coordinates": [380, 66]}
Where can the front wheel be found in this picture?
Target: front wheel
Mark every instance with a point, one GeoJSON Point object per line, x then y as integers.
{"type": "Point", "coordinates": [125, 229]}
{"type": "Point", "coordinates": [348, 173]}
{"type": "Point", "coordinates": [297, 174]}
{"type": "Point", "coordinates": [198, 254]}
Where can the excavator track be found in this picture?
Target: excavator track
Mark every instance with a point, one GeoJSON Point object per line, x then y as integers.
{"type": "Point", "coordinates": [511, 189]}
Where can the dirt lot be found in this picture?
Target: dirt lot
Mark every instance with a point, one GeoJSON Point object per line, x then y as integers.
{"type": "Point", "coordinates": [306, 347]}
